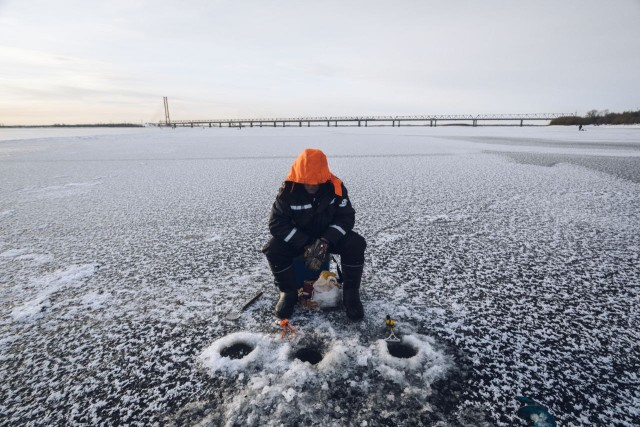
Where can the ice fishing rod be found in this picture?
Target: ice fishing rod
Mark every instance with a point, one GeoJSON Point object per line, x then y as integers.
{"type": "Point", "coordinates": [236, 315]}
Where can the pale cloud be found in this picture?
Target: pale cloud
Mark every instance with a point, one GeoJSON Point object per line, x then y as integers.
{"type": "Point", "coordinates": [42, 72]}
{"type": "Point", "coordinates": [64, 88]}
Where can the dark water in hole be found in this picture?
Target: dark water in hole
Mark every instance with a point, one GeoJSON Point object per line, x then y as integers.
{"type": "Point", "coordinates": [400, 350]}
{"type": "Point", "coordinates": [311, 355]}
{"type": "Point", "coordinates": [236, 351]}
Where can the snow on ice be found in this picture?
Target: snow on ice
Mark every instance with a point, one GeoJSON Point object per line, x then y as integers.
{"type": "Point", "coordinates": [274, 372]}
{"type": "Point", "coordinates": [46, 287]}
{"type": "Point", "coordinates": [508, 256]}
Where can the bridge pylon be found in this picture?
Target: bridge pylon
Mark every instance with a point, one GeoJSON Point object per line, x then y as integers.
{"type": "Point", "coordinates": [167, 119]}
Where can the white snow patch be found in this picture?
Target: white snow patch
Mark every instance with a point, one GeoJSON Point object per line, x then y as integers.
{"type": "Point", "coordinates": [437, 218]}
{"type": "Point", "coordinates": [13, 253]}
{"type": "Point", "coordinates": [214, 234]}
{"type": "Point", "coordinates": [428, 363]}
{"type": "Point", "coordinates": [289, 394]}
{"type": "Point", "coordinates": [215, 362]}
{"type": "Point", "coordinates": [48, 286]}
{"type": "Point", "coordinates": [95, 300]}
{"type": "Point", "coordinates": [386, 238]}
{"type": "Point", "coordinates": [64, 190]}
{"type": "Point", "coordinates": [35, 258]}
{"type": "Point", "coordinates": [6, 341]}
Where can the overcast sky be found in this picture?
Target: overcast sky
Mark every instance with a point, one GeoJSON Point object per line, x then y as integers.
{"type": "Point", "coordinates": [78, 61]}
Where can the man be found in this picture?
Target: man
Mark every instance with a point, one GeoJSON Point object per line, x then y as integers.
{"type": "Point", "coordinates": [313, 217]}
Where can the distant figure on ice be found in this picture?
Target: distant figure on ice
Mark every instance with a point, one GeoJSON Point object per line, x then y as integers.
{"type": "Point", "coordinates": [579, 127]}
{"type": "Point", "coordinates": [313, 217]}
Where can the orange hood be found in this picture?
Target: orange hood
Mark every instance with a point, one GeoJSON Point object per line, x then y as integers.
{"type": "Point", "coordinates": [311, 167]}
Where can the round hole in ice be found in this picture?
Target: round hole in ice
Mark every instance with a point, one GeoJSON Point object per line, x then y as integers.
{"type": "Point", "coordinates": [236, 351]}
{"type": "Point", "coordinates": [401, 350]}
{"type": "Point", "coordinates": [309, 354]}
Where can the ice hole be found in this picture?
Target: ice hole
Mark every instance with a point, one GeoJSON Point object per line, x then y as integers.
{"type": "Point", "coordinates": [236, 351]}
{"type": "Point", "coordinates": [401, 350]}
{"type": "Point", "coordinates": [309, 354]}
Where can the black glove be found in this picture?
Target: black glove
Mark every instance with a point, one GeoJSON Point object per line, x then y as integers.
{"type": "Point", "coordinates": [316, 253]}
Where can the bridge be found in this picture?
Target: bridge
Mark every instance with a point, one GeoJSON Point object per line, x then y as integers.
{"type": "Point", "coordinates": [365, 121]}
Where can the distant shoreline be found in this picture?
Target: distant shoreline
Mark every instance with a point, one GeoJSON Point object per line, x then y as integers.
{"type": "Point", "coordinates": [98, 125]}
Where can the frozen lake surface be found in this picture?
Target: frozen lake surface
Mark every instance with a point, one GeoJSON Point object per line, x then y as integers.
{"type": "Point", "coordinates": [509, 257]}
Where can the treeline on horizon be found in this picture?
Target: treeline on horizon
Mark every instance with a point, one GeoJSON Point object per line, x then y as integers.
{"type": "Point", "coordinates": [89, 125]}
{"type": "Point", "coordinates": [595, 117]}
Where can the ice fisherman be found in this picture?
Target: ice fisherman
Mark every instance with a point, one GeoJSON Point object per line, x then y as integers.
{"type": "Point", "coordinates": [312, 217]}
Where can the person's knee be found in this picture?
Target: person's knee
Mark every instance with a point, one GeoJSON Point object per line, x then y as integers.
{"type": "Point", "coordinates": [353, 248]}
{"type": "Point", "coordinates": [278, 253]}
{"type": "Point", "coordinates": [272, 250]}
{"type": "Point", "coordinates": [358, 244]}
{"type": "Point", "coordinates": [364, 242]}
{"type": "Point", "coordinates": [267, 248]}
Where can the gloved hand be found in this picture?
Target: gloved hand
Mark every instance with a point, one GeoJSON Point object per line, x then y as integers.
{"type": "Point", "coordinates": [316, 253]}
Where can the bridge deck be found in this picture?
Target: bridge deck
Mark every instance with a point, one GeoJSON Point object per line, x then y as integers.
{"type": "Point", "coordinates": [428, 120]}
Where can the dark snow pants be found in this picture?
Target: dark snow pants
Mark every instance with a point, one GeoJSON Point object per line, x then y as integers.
{"type": "Point", "coordinates": [281, 254]}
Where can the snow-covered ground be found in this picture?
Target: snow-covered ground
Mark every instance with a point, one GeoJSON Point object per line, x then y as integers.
{"type": "Point", "coordinates": [509, 257]}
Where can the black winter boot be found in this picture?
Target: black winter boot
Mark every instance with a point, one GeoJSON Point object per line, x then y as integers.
{"type": "Point", "coordinates": [286, 283]}
{"type": "Point", "coordinates": [351, 277]}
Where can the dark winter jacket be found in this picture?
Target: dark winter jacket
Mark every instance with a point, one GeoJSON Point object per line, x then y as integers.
{"type": "Point", "coordinates": [299, 218]}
